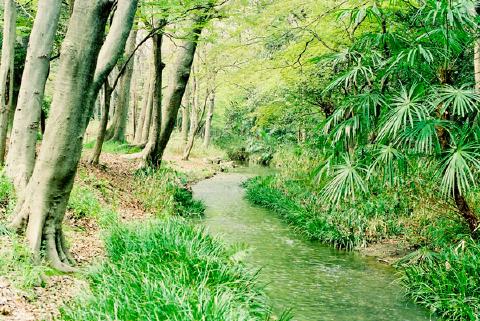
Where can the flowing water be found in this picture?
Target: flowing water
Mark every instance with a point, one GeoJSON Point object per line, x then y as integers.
{"type": "Point", "coordinates": [317, 282]}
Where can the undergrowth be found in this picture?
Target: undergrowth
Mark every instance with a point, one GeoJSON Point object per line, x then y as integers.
{"type": "Point", "coordinates": [447, 281]}
{"type": "Point", "coordinates": [114, 147]}
{"type": "Point", "coordinates": [441, 271]}
{"type": "Point", "coordinates": [15, 262]}
{"type": "Point", "coordinates": [163, 193]}
{"type": "Point", "coordinates": [168, 270]}
{"type": "Point", "coordinates": [352, 225]}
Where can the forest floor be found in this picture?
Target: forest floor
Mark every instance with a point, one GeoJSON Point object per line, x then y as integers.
{"type": "Point", "coordinates": [30, 292]}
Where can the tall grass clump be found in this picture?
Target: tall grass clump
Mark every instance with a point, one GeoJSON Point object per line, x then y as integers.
{"type": "Point", "coordinates": [168, 270]}
{"type": "Point", "coordinates": [447, 281]}
{"type": "Point", "coordinates": [354, 224]}
{"type": "Point", "coordinates": [114, 147]}
{"type": "Point", "coordinates": [163, 193]}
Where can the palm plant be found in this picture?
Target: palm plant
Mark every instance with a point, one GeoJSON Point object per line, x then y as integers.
{"type": "Point", "coordinates": [406, 101]}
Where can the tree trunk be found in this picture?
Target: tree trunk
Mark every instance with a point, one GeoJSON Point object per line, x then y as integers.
{"type": "Point", "coordinates": [134, 113]}
{"type": "Point", "coordinates": [47, 193]}
{"type": "Point", "coordinates": [141, 119]}
{"type": "Point", "coordinates": [148, 115]}
{"type": "Point", "coordinates": [102, 128]}
{"type": "Point", "coordinates": [176, 89]}
{"type": "Point", "coordinates": [119, 123]}
{"type": "Point", "coordinates": [208, 122]}
{"type": "Point", "coordinates": [185, 114]}
{"type": "Point", "coordinates": [193, 122]}
{"type": "Point", "coordinates": [150, 153]}
{"type": "Point", "coordinates": [6, 72]}
{"type": "Point", "coordinates": [22, 149]}
{"type": "Point", "coordinates": [78, 81]}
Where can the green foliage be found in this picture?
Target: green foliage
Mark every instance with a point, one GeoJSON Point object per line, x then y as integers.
{"type": "Point", "coordinates": [114, 147]}
{"type": "Point", "coordinates": [447, 281]}
{"type": "Point", "coordinates": [168, 270]}
{"type": "Point", "coordinates": [355, 224]}
{"type": "Point", "coordinates": [84, 203]}
{"type": "Point", "coordinates": [163, 193]}
{"type": "Point", "coordinates": [7, 194]}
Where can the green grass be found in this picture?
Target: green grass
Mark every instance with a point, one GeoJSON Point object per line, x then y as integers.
{"type": "Point", "coordinates": [163, 193]}
{"type": "Point", "coordinates": [83, 202]}
{"type": "Point", "coordinates": [447, 282]}
{"type": "Point", "coordinates": [352, 225]}
{"type": "Point", "coordinates": [163, 269]}
{"type": "Point", "coordinates": [114, 147]}
{"type": "Point", "coordinates": [15, 262]}
{"type": "Point", "coordinates": [169, 270]}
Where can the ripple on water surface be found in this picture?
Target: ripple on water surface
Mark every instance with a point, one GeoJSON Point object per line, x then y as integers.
{"type": "Point", "coordinates": [317, 282]}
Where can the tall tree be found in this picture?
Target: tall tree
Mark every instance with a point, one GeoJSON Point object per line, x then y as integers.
{"type": "Point", "coordinates": [116, 132]}
{"type": "Point", "coordinates": [22, 148]}
{"type": "Point", "coordinates": [208, 121]}
{"type": "Point", "coordinates": [145, 103]}
{"type": "Point", "coordinates": [102, 127]}
{"type": "Point", "coordinates": [178, 83]}
{"type": "Point", "coordinates": [6, 72]}
{"type": "Point", "coordinates": [150, 152]}
{"type": "Point", "coordinates": [79, 79]}
{"type": "Point", "coordinates": [185, 114]}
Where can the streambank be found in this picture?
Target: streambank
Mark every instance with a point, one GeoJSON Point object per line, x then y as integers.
{"type": "Point", "coordinates": [317, 282]}
{"type": "Point", "coordinates": [116, 216]}
{"type": "Point", "coordinates": [438, 261]}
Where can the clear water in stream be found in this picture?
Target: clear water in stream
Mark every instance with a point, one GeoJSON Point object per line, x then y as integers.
{"type": "Point", "coordinates": [317, 282]}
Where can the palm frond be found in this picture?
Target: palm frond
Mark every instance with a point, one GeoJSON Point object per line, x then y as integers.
{"type": "Point", "coordinates": [457, 101]}
{"type": "Point", "coordinates": [408, 108]}
{"type": "Point", "coordinates": [347, 180]}
{"type": "Point", "coordinates": [458, 168]}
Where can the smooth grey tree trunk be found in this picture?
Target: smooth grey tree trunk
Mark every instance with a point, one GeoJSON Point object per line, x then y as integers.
{"type": "Point", "coordinates": [141, 118]}
{"type": "Point", "coordinates": [78, 81]}
{"type": "Point", "coordinates": [148, 116]}
{"type": "Point", "coordinates": [185, 114]}
{"type": "Point", "coordinates": [178, 83]}
{"type": "Point", "coordinates": [208, 121]}
{"type": "Point", "coordinates": [6, 72]}
{"type": "Point", "coordinates": [193, 120]}
{"type": "Point", "coordinates": [102, 127]}
{"type": "Point", "coordinates": [116, 132]}
{"type": "Point", "coordinates": [150, 152]}
{"type": "Point", "coordinates": [185, 122]}
{"type": "Point", "coordinates": [23, 140]}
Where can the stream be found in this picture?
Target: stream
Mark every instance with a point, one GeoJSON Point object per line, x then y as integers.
{"type": "Point", "coordinates": [317, 282]}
